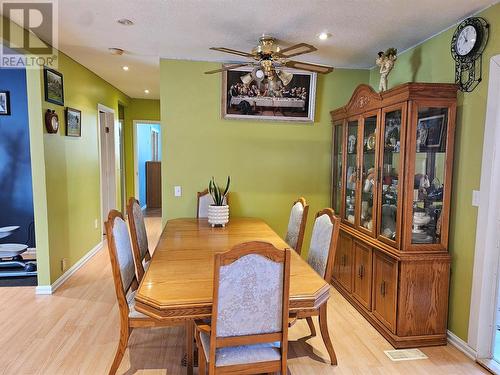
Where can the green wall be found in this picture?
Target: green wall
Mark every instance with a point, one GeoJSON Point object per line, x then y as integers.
{"type": "Point", "coordinates": [270, 163]}
{"type": "Point", "coordinates": [432, 62]}
{"type": "Point", "coordinates": [72, 166]}
{"type": "Point", "coordinates": [138, 109]}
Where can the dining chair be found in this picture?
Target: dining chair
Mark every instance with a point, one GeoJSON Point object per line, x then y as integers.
{"type": "Point", "coordinates": [205, 200]}
{"type": "Point", "coordinates": [139, 237]}
{"type": "Point", "coordinates": [248, 333]}
{"type": "Point", "coordinates": [297, 224]}
{"type": "Point", "coordinates": [125, 281]}
{"type": "Point", "coordinates": [324, 239]}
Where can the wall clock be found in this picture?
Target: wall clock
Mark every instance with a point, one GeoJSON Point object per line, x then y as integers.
{"type": "Point", "coordinates": [467, 46]}
{"type": "Point", "coordinates": [51, 121]}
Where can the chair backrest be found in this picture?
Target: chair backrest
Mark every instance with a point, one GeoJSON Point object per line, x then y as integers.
{"type": "Point", "coordinates": [297, 224]}
{"type": "Point", "coordinates": [324, 241]}
{"type": "Point", "coordinates": [250, 296]}
{"type": "Point", "coordinates": [139, 235]}
{"type": "Point", "coordinates": [204, 200]}
{"type": "Point", "coordinates": [120, 254]}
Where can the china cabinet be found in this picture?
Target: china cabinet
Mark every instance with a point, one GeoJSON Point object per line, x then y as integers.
{"type": "Point", "coordinates": [392, 161]}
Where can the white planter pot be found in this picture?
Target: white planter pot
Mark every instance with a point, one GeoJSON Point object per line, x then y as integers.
{"type": "Point", "coordinates": [218, 215]}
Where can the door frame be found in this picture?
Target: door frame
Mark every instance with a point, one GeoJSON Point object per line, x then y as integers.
{"type": "Point", "coordinates": [486, 257]}
{"type": "Point", "coordinates": [103, 108]}
{"type": "Point", "coordinates": [136, 123]}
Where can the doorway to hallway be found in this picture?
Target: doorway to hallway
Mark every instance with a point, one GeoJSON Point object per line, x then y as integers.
{"type": "Point", "coordinates": [108, 161]}
{"type": "Point", "coordinates": [147, 164]}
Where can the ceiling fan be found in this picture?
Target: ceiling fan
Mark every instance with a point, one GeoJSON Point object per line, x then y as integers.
{"type": "Point", "coordinates": [270, 59]}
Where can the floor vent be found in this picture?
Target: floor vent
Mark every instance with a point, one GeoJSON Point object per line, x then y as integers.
{"type": "Point", "coordinates": [405, 354]}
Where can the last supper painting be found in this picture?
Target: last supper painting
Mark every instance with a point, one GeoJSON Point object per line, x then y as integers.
{"type": "Point", "coordinates": [282, 95]}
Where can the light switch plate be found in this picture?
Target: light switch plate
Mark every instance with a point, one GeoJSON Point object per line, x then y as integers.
{"type": "Point", "coordinates": [177, 191]}
{"type": "Point", "coordinates": [476, 196]}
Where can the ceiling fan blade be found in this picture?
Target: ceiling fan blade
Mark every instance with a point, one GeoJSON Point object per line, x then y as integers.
{"type": "Point", "coordinates": [232, 51]}
{"type": "Point", "coordinates": [227, 67]}
{"type": "Point", "coordinates": [309, 67]}
{"type": "Point", "coordinates": [297, 49]}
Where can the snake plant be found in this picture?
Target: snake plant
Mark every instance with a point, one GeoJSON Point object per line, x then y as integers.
{"type": "Point", "coordinates": [215, 191]}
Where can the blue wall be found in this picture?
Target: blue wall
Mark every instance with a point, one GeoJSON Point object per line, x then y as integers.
{"type": "Point", "coordinates": [16, 194]}
{"type": "Point", "coordinates": [144, 154]}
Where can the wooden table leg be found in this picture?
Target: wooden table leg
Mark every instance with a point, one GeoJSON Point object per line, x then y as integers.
{"type": "Point", "coordinates": [189, 346]}
{"type": "Point", "coordinates": [323, 327]}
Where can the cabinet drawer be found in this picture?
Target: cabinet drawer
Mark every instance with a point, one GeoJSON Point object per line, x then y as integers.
{"type": "Point", "coordinates": [362, 287]}
{"type": "Point", "coordinates": [344, 262]}
{"type": "Point", "coordinates": [385, 286]}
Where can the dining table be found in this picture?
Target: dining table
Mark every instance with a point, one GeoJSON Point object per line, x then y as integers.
{"type": "Point", "coordinates": [178, 283]}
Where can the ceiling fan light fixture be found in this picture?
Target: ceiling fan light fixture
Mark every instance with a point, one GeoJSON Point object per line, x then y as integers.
{"type": "Point", "coordinates": [285, 77]}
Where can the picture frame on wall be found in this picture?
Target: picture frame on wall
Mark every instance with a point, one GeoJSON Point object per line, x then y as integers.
{"type": "Point", "coordinates": [54, 86]}
{"type": "Point", "coordinates": [287, 96]}
{"type": "Point", "coordinates": [73, 122]}
{"type": "Point", "coordinates": [434, 126]}
{"type": "Point", "coordinates": [4, 103]}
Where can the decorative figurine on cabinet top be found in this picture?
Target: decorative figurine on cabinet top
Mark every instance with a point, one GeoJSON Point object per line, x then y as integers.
{"type": "Point", "coordinates": [386, 62]}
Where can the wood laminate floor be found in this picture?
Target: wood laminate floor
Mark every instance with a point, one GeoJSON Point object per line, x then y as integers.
{"type": "Point", "coordinates": [75, 331]}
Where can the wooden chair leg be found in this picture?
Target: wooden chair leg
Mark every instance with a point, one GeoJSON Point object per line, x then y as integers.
{"type": "Point", "coordinates": [189, 346]}
{"type": "Point", "coordinates": [120, 351]}
{"type": "Point", "coordinates": [202, 369]}
{"type": "Point", "coordinates": [323, 327]}
{"type": "Point", "coordinates": [310, 323]}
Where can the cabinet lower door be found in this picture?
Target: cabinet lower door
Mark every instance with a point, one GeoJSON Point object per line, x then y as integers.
{"type": "Point", "coordinates": [362, 288]}
{"type": "Point", "coordinates": [345, 262]}
{"type": "Point", "coordinates": [385, 286]}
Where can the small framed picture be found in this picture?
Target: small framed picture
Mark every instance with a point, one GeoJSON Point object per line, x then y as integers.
{"type": "Point", "coordinates": [73, 122]}
{"type": "Point", "coordinates": [54, 87]}
{"type": "Point", "coordinates": [434, 126]}
{"type": "Point", "coordinates": [4, 103]}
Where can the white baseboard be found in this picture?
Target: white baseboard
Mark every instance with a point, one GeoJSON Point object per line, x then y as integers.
{"type": "Point", "coordinates": [49, 289]}
{"type": "Point", "coordinates": [461, 345]}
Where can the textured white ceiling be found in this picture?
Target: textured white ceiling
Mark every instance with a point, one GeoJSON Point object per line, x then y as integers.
{"type": "Point", "coordinates": [185, 29]}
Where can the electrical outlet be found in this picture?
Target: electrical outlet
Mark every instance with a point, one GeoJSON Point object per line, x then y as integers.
{"type": "Point", "coordinates": [177, 191]}
{"type": "Point", "coordinates": [64, 264]}
{"type": "Point", "coordinates": [96, 223]}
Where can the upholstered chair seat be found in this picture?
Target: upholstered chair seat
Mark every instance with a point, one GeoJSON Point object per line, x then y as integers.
{"type": "Point", "coordinates": [132, 312]}
{"type": "Point", "coordinates": [240, 355]}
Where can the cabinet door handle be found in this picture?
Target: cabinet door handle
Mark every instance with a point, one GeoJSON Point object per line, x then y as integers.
{"type": "Point", "coordinates": [382, 288]}
{"type": "Point", "coordinates": [360, 272]}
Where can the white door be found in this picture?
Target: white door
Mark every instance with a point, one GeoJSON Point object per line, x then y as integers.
{"type": "Point", "coordinates": [108, 166]}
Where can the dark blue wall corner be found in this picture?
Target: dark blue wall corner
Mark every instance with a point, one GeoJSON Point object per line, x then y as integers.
{"type": "Point", "coordinates": [16, 193]}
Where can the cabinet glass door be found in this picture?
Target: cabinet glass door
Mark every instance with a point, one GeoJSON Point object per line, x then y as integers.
{"type": "Point", "coordinates": [351, 171]}
{"type": "Point", "coordinates": [368, 173]}
{"type": "Point", "coordinates": [391, 172]}
{"type": "Point", "coordinates": [427, 189]}
{"type": "Point", "coordinates": [337, 167]}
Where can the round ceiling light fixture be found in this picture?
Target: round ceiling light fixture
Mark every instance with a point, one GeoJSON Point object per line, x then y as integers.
{"type": "Point", "coordinates": [116, 51]}
{"type": "Point", "coordinates": [324, 35]}
{"type": "Point", "coordinates": [125, 67]}
{"type": "Point", "coordinates": [125, 22]}
{"type": "Point", "coordinates": [146, 91]}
